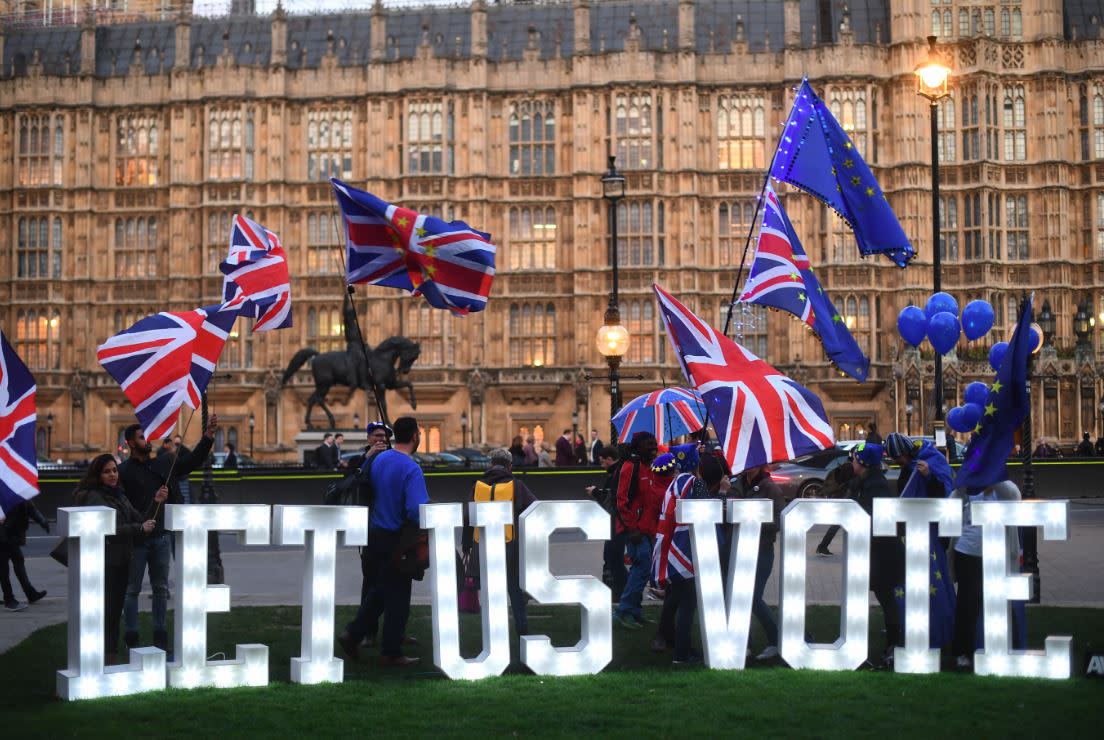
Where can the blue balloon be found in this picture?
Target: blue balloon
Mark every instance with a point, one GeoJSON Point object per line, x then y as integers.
{"type": "Point", "coordinates": [1034, 338]}
{"type": "Point", "coordinates": [943, 332]}
{"type": "Point", "coordinates": [996, 354]}
{"type": "Point", "coordinates": [912, 323]}
{"type": "Point", "coordinates": [977, 319]}
{"type": "Point", "coordinates": [956, 421]}
{"type": "Point", "coordinates": [977, 392]}
{"type": "Point", "coordinates": [971, 415]}
{"type": "Point", "coordinates": [940, 302]}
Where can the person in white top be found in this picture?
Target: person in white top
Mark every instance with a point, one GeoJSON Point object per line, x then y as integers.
{"type": "Point", "coordinates": [968, 570]}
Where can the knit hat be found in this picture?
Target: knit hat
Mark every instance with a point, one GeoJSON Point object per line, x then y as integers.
{"type": "Point", "coordinates": [374, 425]}
{"type": "Point", "coordinates": [870, 454]}
{"type": "Point", "coordinates": [897, 444]}
{"type": "Point", "coordinates": [686, 456]}
{"type": "Point", "coordinates": [665, 464]}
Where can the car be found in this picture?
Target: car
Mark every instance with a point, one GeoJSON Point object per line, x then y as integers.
{"type": "Point", "coordinates": [472, 458]}
{"type": "Point", "coordinates": [804, 477]}
{"type": "Point", "coordinates": [848, 444]}
{"type": "Point", "coordinates": [45, 463]}
{"type": "Point", "coordinates": [244, 461]}
{"type": "Point", "coordinates": [426, 460]}
{"type": "Point", "coordinates": [450, 460]}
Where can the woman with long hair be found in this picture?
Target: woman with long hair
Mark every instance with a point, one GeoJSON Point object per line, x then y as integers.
{"type": "Point", "coordinates": [100, 487]}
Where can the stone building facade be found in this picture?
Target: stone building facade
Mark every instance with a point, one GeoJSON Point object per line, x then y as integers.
{"type": "Point", "coordinates": [125, 147]}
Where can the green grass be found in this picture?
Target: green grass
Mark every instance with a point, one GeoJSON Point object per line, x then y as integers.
{"type": "Point", "coordinates": [639, 694]}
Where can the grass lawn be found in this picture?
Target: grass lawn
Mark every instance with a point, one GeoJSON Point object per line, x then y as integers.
{"type": "Point", "coordinates": [639, 694]}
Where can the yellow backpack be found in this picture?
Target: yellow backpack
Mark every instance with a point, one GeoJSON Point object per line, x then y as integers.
{"type": "Point", "coordinates": [495, 492]}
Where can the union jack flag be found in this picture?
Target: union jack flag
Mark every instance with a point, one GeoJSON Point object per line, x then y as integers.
{"type": "Point", "coordinates": [451, 264]}
{"type": "Point", "coordinates": [18, 462]}
{"type": "Point", "coordinates": [165, 361]}
{"type": "Point", "coordinates": [256, 276]}
{"type": "Point", "coordinates": [760, 415]}
{"type": "Point", "coordinates": [672, 557]}
{"type": "Point", "coordinates": [781, 277]}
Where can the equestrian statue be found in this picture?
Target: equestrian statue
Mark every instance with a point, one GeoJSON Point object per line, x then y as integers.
{"type": "Point", "coordinates": [350, 367]}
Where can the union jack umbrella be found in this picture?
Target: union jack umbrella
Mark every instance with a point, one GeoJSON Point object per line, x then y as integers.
{"type": "Point", "coordinates": [760, 415]}
{"type": "Point", "coordinates": [18, 463]}
{"type": "Point", "coordinates": [668, 413]}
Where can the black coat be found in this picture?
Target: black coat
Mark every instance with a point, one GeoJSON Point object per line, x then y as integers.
{"type": "Point", "coordinates": [128, 523]}
{"type": "Point", "coordinates": [887, 554]}
{"type": "Point", "coordinates": [141, 479]}
{"type": "Point", "coordinates": [14, 528]}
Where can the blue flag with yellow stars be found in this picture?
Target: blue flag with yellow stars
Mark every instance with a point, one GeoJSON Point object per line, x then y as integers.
{"type": "Point", "coordinates": [818, 156]}
{"type": "Point", "coordinates": [984, 461]}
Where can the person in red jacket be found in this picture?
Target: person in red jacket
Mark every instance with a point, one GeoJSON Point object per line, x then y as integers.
{"type": "Point", "coordinates": [639, 495]}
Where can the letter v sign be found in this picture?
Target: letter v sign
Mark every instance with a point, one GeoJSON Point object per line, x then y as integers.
{"type": "Point", "coordinates": [724, 626]}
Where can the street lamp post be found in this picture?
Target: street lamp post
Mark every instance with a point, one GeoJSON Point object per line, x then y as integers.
{"type": "Point", "coordinates": [931, 83]}
{"type": "Point", "coordinates": [49, 433]}
{"type": "Point", "coordinates": [463, 428]}
{"type": "Point", "coordinates": [613, 338]}
{"type": "Point", "coordinates": [575, 432]}
{"type": "Point", "coordinates": [252, 426]}
{"type": "Point", "coordinates": [1100, 407]}
{"type": "Point", "coordinates": [1030, 535]}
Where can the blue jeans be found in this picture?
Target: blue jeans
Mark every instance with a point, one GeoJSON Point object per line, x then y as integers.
{"type": "Point", "coordinates": [154, 553]}
{"type": "Point", "coordinates": [759, 607]}
{"type": "Point", "coordinates": [640, 554]}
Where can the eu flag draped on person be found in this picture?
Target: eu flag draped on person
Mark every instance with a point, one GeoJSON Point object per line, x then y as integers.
{"type": "Point", "coordinates": [759, 414]}
{"type": "Point", "coordinates": [818, 156]}
{"type": "Point", "coordinates": [18, 461]}
{"type": "Point", "coordinates": [165, 361]}
{"type": "Point", "coordinates": [782, 277]}
{"type": "Point", "coordinates": [983, 464]}
{"type": "Point", "coordinates": [941, 605]}
{"type": "Point", "coordinates": [451, 264]}
{"type": "Point", "coordinates": [256, 275]}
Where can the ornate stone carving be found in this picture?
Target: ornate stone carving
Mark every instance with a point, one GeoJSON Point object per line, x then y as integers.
{"type": "Point", "coordinates": [477, 386]}
{"type": "Point", "coordinates": [78, 387]}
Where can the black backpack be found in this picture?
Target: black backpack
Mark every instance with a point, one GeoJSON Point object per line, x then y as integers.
{"type": "Point", "coordinates": [355, 489]}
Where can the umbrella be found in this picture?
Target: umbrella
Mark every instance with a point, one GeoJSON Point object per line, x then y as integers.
{"type": "Point", "coordinates": [668, 413]}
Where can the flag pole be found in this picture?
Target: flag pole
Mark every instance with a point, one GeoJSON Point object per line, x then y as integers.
{"type": "Point", "coordinates": [751, 230]}
{"type": "Point", "coordinates": [350, 291]}
{"type": "Point", "coordinates": [176, 457]}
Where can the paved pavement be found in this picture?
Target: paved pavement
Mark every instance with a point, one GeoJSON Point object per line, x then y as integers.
{"type": "Point", "coordinates": [265, 576]}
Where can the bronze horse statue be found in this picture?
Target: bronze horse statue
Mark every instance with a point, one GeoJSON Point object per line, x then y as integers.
{"type": "Point", "coordinates": [348, 367]}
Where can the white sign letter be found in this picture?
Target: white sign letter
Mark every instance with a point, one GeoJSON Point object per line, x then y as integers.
{"type": "Point", "coordinates": [442, 520]}
{"type": "Point", "coordinates": [917, 514]}
{"type": "Point", "coordinates": [316, 528]}
{"type": "Point", "coordinates": [195, 598]}
{"type": "Point", "coordinates": [849, 651]}
{"type": "Point", "coordinates": [1000, 587]}
{"type": "Point", "coordinates": [85, 678]}
{"type": "Point", "coordinates": [724, 624]}
{"type": "Point", "coordinates": [594, 650]}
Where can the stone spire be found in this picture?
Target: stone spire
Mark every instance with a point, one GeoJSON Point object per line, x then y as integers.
{"type": "Point", "coordinates": [582, 26]}
{"type": "Point", "coordinates": [686, 25]}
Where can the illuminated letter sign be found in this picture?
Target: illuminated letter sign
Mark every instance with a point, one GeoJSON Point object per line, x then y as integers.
{"type": "Point", "coordinates": [594, 650]}
{"type": "Point", "coordinates": [195, 598]}
{"type": "Point", "coordinates": [1000, 587]}
{"type": "Point", "coordinates": [849, 651]}
{"type": "Point", "coordinates": [85, 678]}
{"type": "Point", "coordinates": [442, 521]}
{"type": "Point", "coordinates": [316, 528]}
{"type": "Point", "coordinates": [724, 626]}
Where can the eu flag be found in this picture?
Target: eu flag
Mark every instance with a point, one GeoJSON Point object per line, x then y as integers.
{"type": "Point", "coordinates": [816, 155]}
{"type": "Point", "coordinates": [781, 277]}
{"type": "Point", "coordinates": [984, 461]}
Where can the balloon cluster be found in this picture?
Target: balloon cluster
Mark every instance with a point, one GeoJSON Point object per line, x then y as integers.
{"type": "Point", "coordinates": [939, 322]}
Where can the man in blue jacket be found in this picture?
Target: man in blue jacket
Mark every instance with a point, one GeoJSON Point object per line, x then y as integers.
{"type": "Point", "coordinates": [398, 491]}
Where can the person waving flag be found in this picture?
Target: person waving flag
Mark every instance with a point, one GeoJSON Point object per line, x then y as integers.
{"type": "Point", "coordinates": [18, 461]}
{"type": "Point", "coordinates": [760, 415]}
{"type": "Point", "coordinates": [256, 276]}
{"type": "Point", "coordinates": [451, 264]}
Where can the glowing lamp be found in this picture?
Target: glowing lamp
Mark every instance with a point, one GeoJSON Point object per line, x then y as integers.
{"type": "Point", "coordinates": [932, 75]}
{"type": "Point", "coordinates": [613, 340]}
